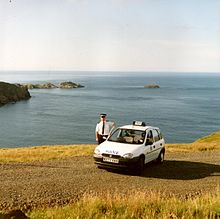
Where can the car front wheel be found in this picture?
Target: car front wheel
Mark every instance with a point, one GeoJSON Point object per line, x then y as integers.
{"type": "Point", "coordinates": [140, 166]}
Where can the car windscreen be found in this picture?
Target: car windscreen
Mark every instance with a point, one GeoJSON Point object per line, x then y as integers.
{"type": "Point", "coordinates": [128, 136]}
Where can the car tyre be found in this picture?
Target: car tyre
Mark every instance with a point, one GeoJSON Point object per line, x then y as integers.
{"type": "Point", "coordinates": [160, 158]}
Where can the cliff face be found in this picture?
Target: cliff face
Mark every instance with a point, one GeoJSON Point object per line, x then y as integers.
{"type": "Point", "coordinates": [12, 93]}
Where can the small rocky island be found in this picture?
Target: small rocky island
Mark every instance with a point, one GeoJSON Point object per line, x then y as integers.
{"type": "Point", "coordinates": [151, 86]}
{"type": "Point", "coordinates": [69, 85]}
{"type": "Point", "coordinates": [10, 93]}
{"type": "Point", "coordinates": [62, 85]}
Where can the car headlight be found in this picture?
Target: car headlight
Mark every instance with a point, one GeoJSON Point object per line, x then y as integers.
{"type": "Point", "coordinates": [97, 153]}
{"type": "Point", "coordinates": [128, 156]}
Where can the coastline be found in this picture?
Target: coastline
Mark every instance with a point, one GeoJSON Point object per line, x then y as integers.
{"type": "Point", "coordinates": [181, 100]}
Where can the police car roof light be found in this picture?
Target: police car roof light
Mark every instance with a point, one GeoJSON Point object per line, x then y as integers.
{"type": "Point", "coordinates": [139, 123]}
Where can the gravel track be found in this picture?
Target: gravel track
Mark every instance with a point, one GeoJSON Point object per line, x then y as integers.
{"type": "Point", "coordinates": [48, 183]}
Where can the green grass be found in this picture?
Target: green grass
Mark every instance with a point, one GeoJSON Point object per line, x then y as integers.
{"type": "Point", "coordinates": [135, 205]}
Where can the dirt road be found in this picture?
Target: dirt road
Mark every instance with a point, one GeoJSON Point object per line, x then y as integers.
{"type": "Point", "coordinates": [47, 183]}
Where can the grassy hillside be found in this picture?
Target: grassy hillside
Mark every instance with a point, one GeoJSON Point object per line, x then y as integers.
{"type": "Point", "coordinates": [207, 143]}
{"type": "Point", "coordinates": [26, 154]}
{"type": "Point", "coordinates": [213, 138]}
{"type": "Point", "coordinates": [136, 204]}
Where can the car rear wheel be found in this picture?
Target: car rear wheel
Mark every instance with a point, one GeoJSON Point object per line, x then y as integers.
{"type": "Point", "coordinates": [160, 158]}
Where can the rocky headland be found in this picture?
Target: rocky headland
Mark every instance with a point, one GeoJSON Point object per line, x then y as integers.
{"type": "Point", "coordinates": [12, 93]}
{"type": "Point", "coordinates": [62, 85]}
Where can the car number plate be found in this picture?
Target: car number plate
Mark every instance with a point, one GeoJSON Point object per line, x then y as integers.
{"type": "Point", "coordinates": [111, 160]}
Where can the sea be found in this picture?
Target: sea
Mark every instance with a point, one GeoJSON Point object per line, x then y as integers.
{"type": "Point", "coordinates": [185, 107]}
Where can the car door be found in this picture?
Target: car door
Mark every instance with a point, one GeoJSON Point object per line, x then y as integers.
{"type": "Point", "coordinates": [157, 144]}
{"type": "Point", "coordinates": [149, 147]}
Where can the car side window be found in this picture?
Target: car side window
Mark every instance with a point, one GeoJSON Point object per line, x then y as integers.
{"type": "Point", "coordinates": [150, 139]}
{"type": "Point", "coordinates": [156, 135]}
{"type": "Point", "coordinates": [159, 134]}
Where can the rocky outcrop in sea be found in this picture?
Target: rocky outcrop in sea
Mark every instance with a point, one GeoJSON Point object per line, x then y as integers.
{"type": "Point", "coordinates": [69, 85]}
{"type": "Point", "coordinates": [62, 85]}
{"type": "Point", "coordinates": [151, 86]}
{"type": "Point", "coordinates": [40, 86]}
{"type": "Point", "coordinates": [12, 93]}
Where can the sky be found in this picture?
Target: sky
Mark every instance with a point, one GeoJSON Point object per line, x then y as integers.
{"type": "Point", "coordinates": [110, 35]}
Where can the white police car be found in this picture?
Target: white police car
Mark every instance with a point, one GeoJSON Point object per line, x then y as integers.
{"type": "Point", "coordinates": [131, 147]}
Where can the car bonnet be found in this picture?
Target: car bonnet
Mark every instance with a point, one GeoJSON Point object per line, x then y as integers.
{"type": "Point", "coordinates": [115, 148]}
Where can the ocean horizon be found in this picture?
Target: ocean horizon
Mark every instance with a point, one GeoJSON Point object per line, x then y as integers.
{"type": "Point", "coordinates": [185, 107]}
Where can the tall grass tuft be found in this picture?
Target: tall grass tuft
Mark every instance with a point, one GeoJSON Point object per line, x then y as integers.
{"type": "Point", "coordinates": [135, 205]}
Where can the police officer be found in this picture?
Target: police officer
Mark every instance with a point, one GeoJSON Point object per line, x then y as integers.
{"type": "Point", "coordinates": [103, 128]}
